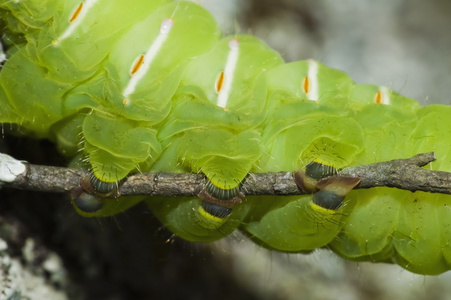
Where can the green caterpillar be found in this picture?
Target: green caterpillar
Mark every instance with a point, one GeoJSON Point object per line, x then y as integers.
{"type": "Point", "coordinates": [161, 91]}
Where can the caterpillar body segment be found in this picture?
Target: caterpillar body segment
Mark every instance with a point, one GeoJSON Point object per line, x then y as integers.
{"type": "Point", "coordinates": [152, 87]}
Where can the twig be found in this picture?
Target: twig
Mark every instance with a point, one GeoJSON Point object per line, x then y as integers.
{"type": "Point", "coordinates": [404, 174]}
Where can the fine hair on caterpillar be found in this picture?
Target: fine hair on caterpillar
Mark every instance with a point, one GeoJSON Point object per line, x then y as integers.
{"type": "Point", "coordinates": [163, 91]}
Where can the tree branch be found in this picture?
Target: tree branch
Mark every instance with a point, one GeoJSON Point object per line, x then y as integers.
{"type": "Point", "coordinates": [406, 174]}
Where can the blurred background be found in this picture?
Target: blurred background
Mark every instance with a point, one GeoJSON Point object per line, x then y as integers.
{"type": "Point", "coordinates": [402, 44]}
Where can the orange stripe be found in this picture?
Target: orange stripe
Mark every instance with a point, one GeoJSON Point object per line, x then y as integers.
{"type": "Point", "coordinates": [378, 97]}
{"type": "Point", "coordinates": [219, 82]}
{"type": "Point", "coordinates": [306, 85]}
{"type": "Point", "coordinates": [76, 12]}
{"type": "Point", "coordinates": [138, 63]}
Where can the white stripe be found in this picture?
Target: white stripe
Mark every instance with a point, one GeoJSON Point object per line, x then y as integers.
{"type": "Point", "coordinates": [72, 26]}
{"type": "Point", "coordinates": [229, 71]}
{"type": "Point", "coordinates": [312, 74]}
{"type": "Point", "coordinates": [385, 95]}
{"type": "Point", "coordinates": [149, 56]}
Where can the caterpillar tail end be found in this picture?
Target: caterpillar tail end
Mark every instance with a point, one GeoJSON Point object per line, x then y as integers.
{"type": "Point", "coordinates": [307, 179]}
{"type": "Point", "coordinates": [329, 189]}
{"type": "Point", "coordinates": [333, 190]}
{"type": "Point", "coordinates": [304, 182]}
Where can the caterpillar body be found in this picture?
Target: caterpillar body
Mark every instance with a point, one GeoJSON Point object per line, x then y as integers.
{"type": "Point", "coordinates": [162, 91]}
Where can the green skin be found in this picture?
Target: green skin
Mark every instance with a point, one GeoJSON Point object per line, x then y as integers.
{"type": "Point", "coordinates": [407, 228]}
{"type": "Point", "coordinates": [171, 121]}
{"type": "Point", "coordinates": [224, 152]}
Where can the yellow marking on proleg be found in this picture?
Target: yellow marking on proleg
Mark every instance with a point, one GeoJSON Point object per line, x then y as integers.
{"type": "Point", "coordinates": [76, 13]}
{"type": "Point", "coordinates": [321, 211]}
{"type": "Point", "coordinates": [219, 82]}
{"type": "Point", "coordinates": [229, 70]}
{"type": "Point", "coordinates": [141, 66]}
{"type": "Point", "coordinates": [137, 64]}
{"type": "Point", "coordinates": [209, 221]}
